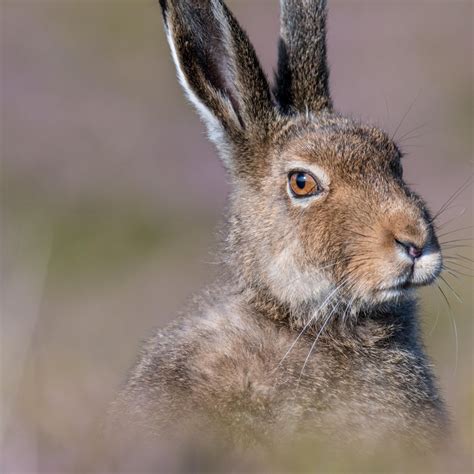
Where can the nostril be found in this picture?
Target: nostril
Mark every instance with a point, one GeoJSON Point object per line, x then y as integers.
{"type": "Point", "coordinates": [412, 250]}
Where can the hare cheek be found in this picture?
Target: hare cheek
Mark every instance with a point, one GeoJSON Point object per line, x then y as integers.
{"type": "Point", "coordinates": [292, 284]}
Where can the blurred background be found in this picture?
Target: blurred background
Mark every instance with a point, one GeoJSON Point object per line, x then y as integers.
{"type": "Point", "coordinates": [99, 242]}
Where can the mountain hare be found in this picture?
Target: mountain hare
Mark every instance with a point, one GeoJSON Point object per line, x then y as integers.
{"type": "Point", "coordinates": [312, 328]}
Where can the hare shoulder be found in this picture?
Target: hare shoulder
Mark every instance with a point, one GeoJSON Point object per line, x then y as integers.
{"type": "Point", "coordinates": [225, 367]}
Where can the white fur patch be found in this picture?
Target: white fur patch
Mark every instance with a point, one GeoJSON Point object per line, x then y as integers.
{"type": "Point", "coordinates": [215, 129]}
{"type": "Point", "coordinates": [427, 268]}
{"type": "Point", "coordinates": [292, 284]}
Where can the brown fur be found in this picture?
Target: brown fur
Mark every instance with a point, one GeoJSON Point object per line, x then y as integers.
{"type": "Point", "coordinates": [298, 338]}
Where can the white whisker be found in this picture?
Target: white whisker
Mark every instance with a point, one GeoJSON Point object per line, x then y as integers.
{"type": "Point", "coordinates": [316, 340]}
{"type": "Point", "coordinates": [306, 326]}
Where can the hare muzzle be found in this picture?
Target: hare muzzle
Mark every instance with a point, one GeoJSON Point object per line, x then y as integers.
{"type": "Point", "coordinates": [412, 252]}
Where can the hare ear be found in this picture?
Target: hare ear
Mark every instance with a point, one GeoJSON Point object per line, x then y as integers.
{"type": "Point", "coordinates": [303, 73]}
{"type": "Point", "coordinates": [217, 67]}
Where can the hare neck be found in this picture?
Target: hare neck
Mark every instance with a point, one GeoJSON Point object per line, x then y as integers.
{"type": "Point", "coordinates": [395, 322]}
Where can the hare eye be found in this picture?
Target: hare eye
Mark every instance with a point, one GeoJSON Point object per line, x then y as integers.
{"type": "Point", "coordinates": [303, 184]}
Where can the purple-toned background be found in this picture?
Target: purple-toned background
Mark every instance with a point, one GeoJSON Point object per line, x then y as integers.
{"type": "Point", "coordinates": [111, 193]}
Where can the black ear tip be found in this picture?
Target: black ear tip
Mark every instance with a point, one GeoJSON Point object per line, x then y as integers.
{"type": "Point", "coordinates": [164, 7]}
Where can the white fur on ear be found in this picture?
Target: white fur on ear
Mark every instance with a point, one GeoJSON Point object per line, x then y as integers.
{"type": "Point", "coordinates": [207, 116]}
{"type": "Point", "coordinates": [215, 129]}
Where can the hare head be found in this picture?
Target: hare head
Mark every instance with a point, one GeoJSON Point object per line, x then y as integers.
{"type": "Point", "coordinates": [318, 204]}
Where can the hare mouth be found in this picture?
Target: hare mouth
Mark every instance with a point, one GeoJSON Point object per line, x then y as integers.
{"type": "Point", "coordinates": [410, 281]}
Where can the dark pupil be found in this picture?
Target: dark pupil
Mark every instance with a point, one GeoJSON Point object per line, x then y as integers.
{"type": "Point", "coordinates": [301, 180]}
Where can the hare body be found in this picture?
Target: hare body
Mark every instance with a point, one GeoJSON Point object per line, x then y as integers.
{"type": "Point", "coordinates": [222, 372]}
{"type": "Point", "coordinates": [315, 331]}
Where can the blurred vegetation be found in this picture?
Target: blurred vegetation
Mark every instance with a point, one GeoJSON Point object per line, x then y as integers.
{"type": "Point", "coordinates": [95, 238]}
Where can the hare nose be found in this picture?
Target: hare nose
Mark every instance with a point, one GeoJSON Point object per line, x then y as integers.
{"type": "Point", "coordinates": [411, 249]}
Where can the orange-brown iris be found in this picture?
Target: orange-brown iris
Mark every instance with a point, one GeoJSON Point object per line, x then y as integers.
{"type": "Point", "coordinates": [303, 184]}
